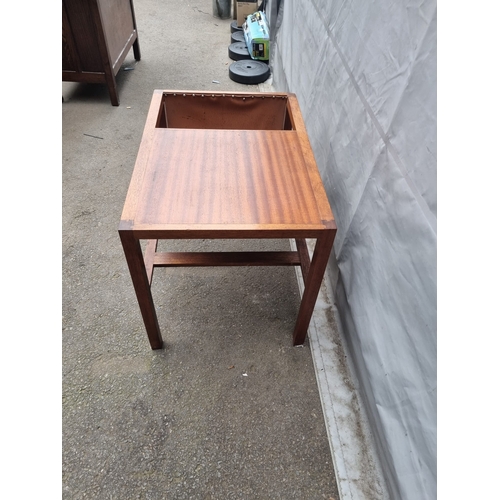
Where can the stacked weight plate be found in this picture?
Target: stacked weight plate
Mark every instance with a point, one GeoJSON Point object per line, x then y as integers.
{"type": "Point", "coordinates": [244, 69]}
{"type": "Point", "coordinates": [235, 27]}
{"type": "Point", "coordinates": [237, 36]}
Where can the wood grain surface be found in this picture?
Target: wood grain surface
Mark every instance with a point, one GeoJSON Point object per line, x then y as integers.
{"type": "Point", "coordinates": [226, 177]}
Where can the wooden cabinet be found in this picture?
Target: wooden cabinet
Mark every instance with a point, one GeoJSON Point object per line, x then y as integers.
{"type": "Point", "coordinates": [96, 37]}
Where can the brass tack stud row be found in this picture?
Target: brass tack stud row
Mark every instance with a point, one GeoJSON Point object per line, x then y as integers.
{"type": "Point", "coordinates": [233, 96]}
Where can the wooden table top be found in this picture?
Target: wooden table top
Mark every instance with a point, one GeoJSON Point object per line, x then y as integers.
{"type": "Point", "coordinates": [200, 179]}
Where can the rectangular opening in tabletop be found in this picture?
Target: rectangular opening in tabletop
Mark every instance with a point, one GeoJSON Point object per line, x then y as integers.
{"type": "Point", "coordinates": [224, 111]}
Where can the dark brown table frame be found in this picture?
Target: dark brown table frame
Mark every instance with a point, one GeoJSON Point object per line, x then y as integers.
{"type": "Point", "coordinates": [183, 188]}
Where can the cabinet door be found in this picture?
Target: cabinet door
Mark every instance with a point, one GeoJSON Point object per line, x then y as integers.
{"type": "Point", "coordinates": [80, 31]}
{"type": "Point", "coordinates": [69, 55]}
{"type": "Point", "coordinates": [118, 25]}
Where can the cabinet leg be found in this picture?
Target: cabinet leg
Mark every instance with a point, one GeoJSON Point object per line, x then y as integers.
{"type": "Point", "coordinates": [113, 91]}
{"type": "Point", "coordinates": [137, 50]}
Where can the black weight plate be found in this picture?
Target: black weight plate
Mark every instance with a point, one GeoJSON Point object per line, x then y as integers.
{"type": "Point", "coordinates": [249, 72]}
{"type": "Point", "coordinates": [237, 36]}
{"type": "Point", "coordinates": [235, 27]}
{"type": "Point", "coordinates": [238, 51]}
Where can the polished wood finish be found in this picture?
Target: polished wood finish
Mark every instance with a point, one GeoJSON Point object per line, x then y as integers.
{"type": "Point", "coordinates": [96, 37]}
{"type": "Point", "coordinates": [259, 180]}
{"type": "Point", "coordinates": [244, 177]}
{"type": "Point", "coordinates": [203, 259]}
{"type": "Point", "coordinates": [305, 262]}
{"type": "Point", "coordinates": [142, 286]}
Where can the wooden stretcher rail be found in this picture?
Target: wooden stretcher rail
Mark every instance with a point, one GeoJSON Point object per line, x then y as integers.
{"type": "Point", "coordinates": [199, 259]}
{"type": "Point", "coordinates": [153, 259]}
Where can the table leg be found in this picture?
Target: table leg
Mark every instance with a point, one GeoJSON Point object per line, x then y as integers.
{"type": "Point", "coordinates": [135, 261]}
{"type": "Point", "coordinates": [312, 285]}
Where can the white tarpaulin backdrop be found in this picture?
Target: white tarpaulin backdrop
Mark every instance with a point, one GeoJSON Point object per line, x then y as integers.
{"type": "Point", "coordinates": [365, 76]}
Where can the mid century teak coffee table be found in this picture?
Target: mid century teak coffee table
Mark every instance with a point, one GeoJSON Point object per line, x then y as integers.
{"type": "Point", "coordinates": [225, 166]}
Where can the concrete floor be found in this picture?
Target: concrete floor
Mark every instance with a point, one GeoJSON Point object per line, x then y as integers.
{"type": "Point", "coordinates": [229, 409]}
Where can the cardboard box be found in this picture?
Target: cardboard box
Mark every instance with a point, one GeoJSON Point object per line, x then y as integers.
{"type": "Point", "coordinates": [244, 9]}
